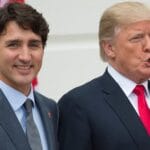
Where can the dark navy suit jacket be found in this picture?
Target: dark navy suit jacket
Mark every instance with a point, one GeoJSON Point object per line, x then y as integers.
{"type": "Point", "coordinates": [99, 116]}
{"type": "Point", "coordinates": [12, 136]}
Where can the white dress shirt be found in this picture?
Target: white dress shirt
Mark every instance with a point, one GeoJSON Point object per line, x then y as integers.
{"type": "Point", "coordinates": [127, 86]}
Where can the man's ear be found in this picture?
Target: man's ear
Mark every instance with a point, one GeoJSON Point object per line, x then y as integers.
{"type": "Point", "coordinates": [108, 48]}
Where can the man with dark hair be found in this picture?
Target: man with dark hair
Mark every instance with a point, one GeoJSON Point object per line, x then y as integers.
{"type": "Point", "coordinates": [28, 120]}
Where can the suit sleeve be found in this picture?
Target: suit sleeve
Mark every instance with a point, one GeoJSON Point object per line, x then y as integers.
{"type": "Point", "coordinates": [74, 127]}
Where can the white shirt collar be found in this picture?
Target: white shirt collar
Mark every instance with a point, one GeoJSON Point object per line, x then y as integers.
{"type": "Point", "coordinates": [126, 84]}
{"type": "Point", "coordinates": [15, 97]}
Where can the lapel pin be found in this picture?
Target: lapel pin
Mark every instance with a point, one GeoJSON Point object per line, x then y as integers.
{"type": "Point", "coordinates": [49, 114]}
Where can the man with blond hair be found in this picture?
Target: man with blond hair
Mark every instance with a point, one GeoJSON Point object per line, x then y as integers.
{"type": "Point", "coordinates": [112, 112]}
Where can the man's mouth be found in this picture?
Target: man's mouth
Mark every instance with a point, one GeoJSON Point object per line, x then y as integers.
{"type": "Point", "coordinates": [23, 67]}
{"type": "Point", "coordinates": [147, 60]}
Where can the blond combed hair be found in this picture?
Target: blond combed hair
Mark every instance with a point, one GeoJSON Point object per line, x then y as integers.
{"type": "Point", "coordinates": [120, 14]}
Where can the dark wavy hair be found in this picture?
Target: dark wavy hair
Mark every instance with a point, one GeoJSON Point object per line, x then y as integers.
{"type": "Point", "coordinates": [26, 17]}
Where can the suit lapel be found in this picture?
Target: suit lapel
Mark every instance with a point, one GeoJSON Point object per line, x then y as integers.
{"type": "Point", "coordinates": [11, 125]}
{"type": "Point", "coordinates": [46, 116]}
{"type": "Point", "coordinates": [120, 104]}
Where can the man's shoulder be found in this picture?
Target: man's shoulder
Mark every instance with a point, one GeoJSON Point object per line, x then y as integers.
{"type": "Point", "coordinates": [39, 96]}
{"type": "Point", "coordinates": [83, 91]}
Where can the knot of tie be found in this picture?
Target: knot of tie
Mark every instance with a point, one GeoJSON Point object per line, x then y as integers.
{"type": "Point", "coordinates": [28, 106]}
{"type": "Point", "coordinates": [139, 90]}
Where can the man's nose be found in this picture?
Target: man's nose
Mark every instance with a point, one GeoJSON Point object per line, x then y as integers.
{"type": "Point", "coordinates": [25, 54]}
{"type": "Point", "coordinates": [147, 44]}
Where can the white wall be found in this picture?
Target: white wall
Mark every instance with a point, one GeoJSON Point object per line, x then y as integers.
{"type": "Point", "coordinates": [69, 61]}
{"type": "Point", "coordinates": [72, 52]}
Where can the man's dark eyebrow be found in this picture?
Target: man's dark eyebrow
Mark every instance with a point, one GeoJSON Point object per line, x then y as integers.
{"type": "Point", "coordinates": [17, 40]}
{"type": "Point", "coordinates": [13, 41]}
{"type": "Point", "coordinates": [35, 41]}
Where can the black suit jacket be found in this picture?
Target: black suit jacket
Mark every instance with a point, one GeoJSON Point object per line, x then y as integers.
{"type": "Point", "coordinates": [12, 136]}
{"type": "Point", "coordinates": [98, 116]}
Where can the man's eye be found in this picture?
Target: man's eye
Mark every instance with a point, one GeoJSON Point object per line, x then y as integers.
{"type": "Point", "coordinates": [136, 38]}
{"type": "Point", "coordinates": [35, 45]}
{"type": "Point", "coordinates": [12, 45]}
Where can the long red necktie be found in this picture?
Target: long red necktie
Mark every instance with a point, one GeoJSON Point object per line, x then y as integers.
{"type": "Point", "coordinates": [144, 111]}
